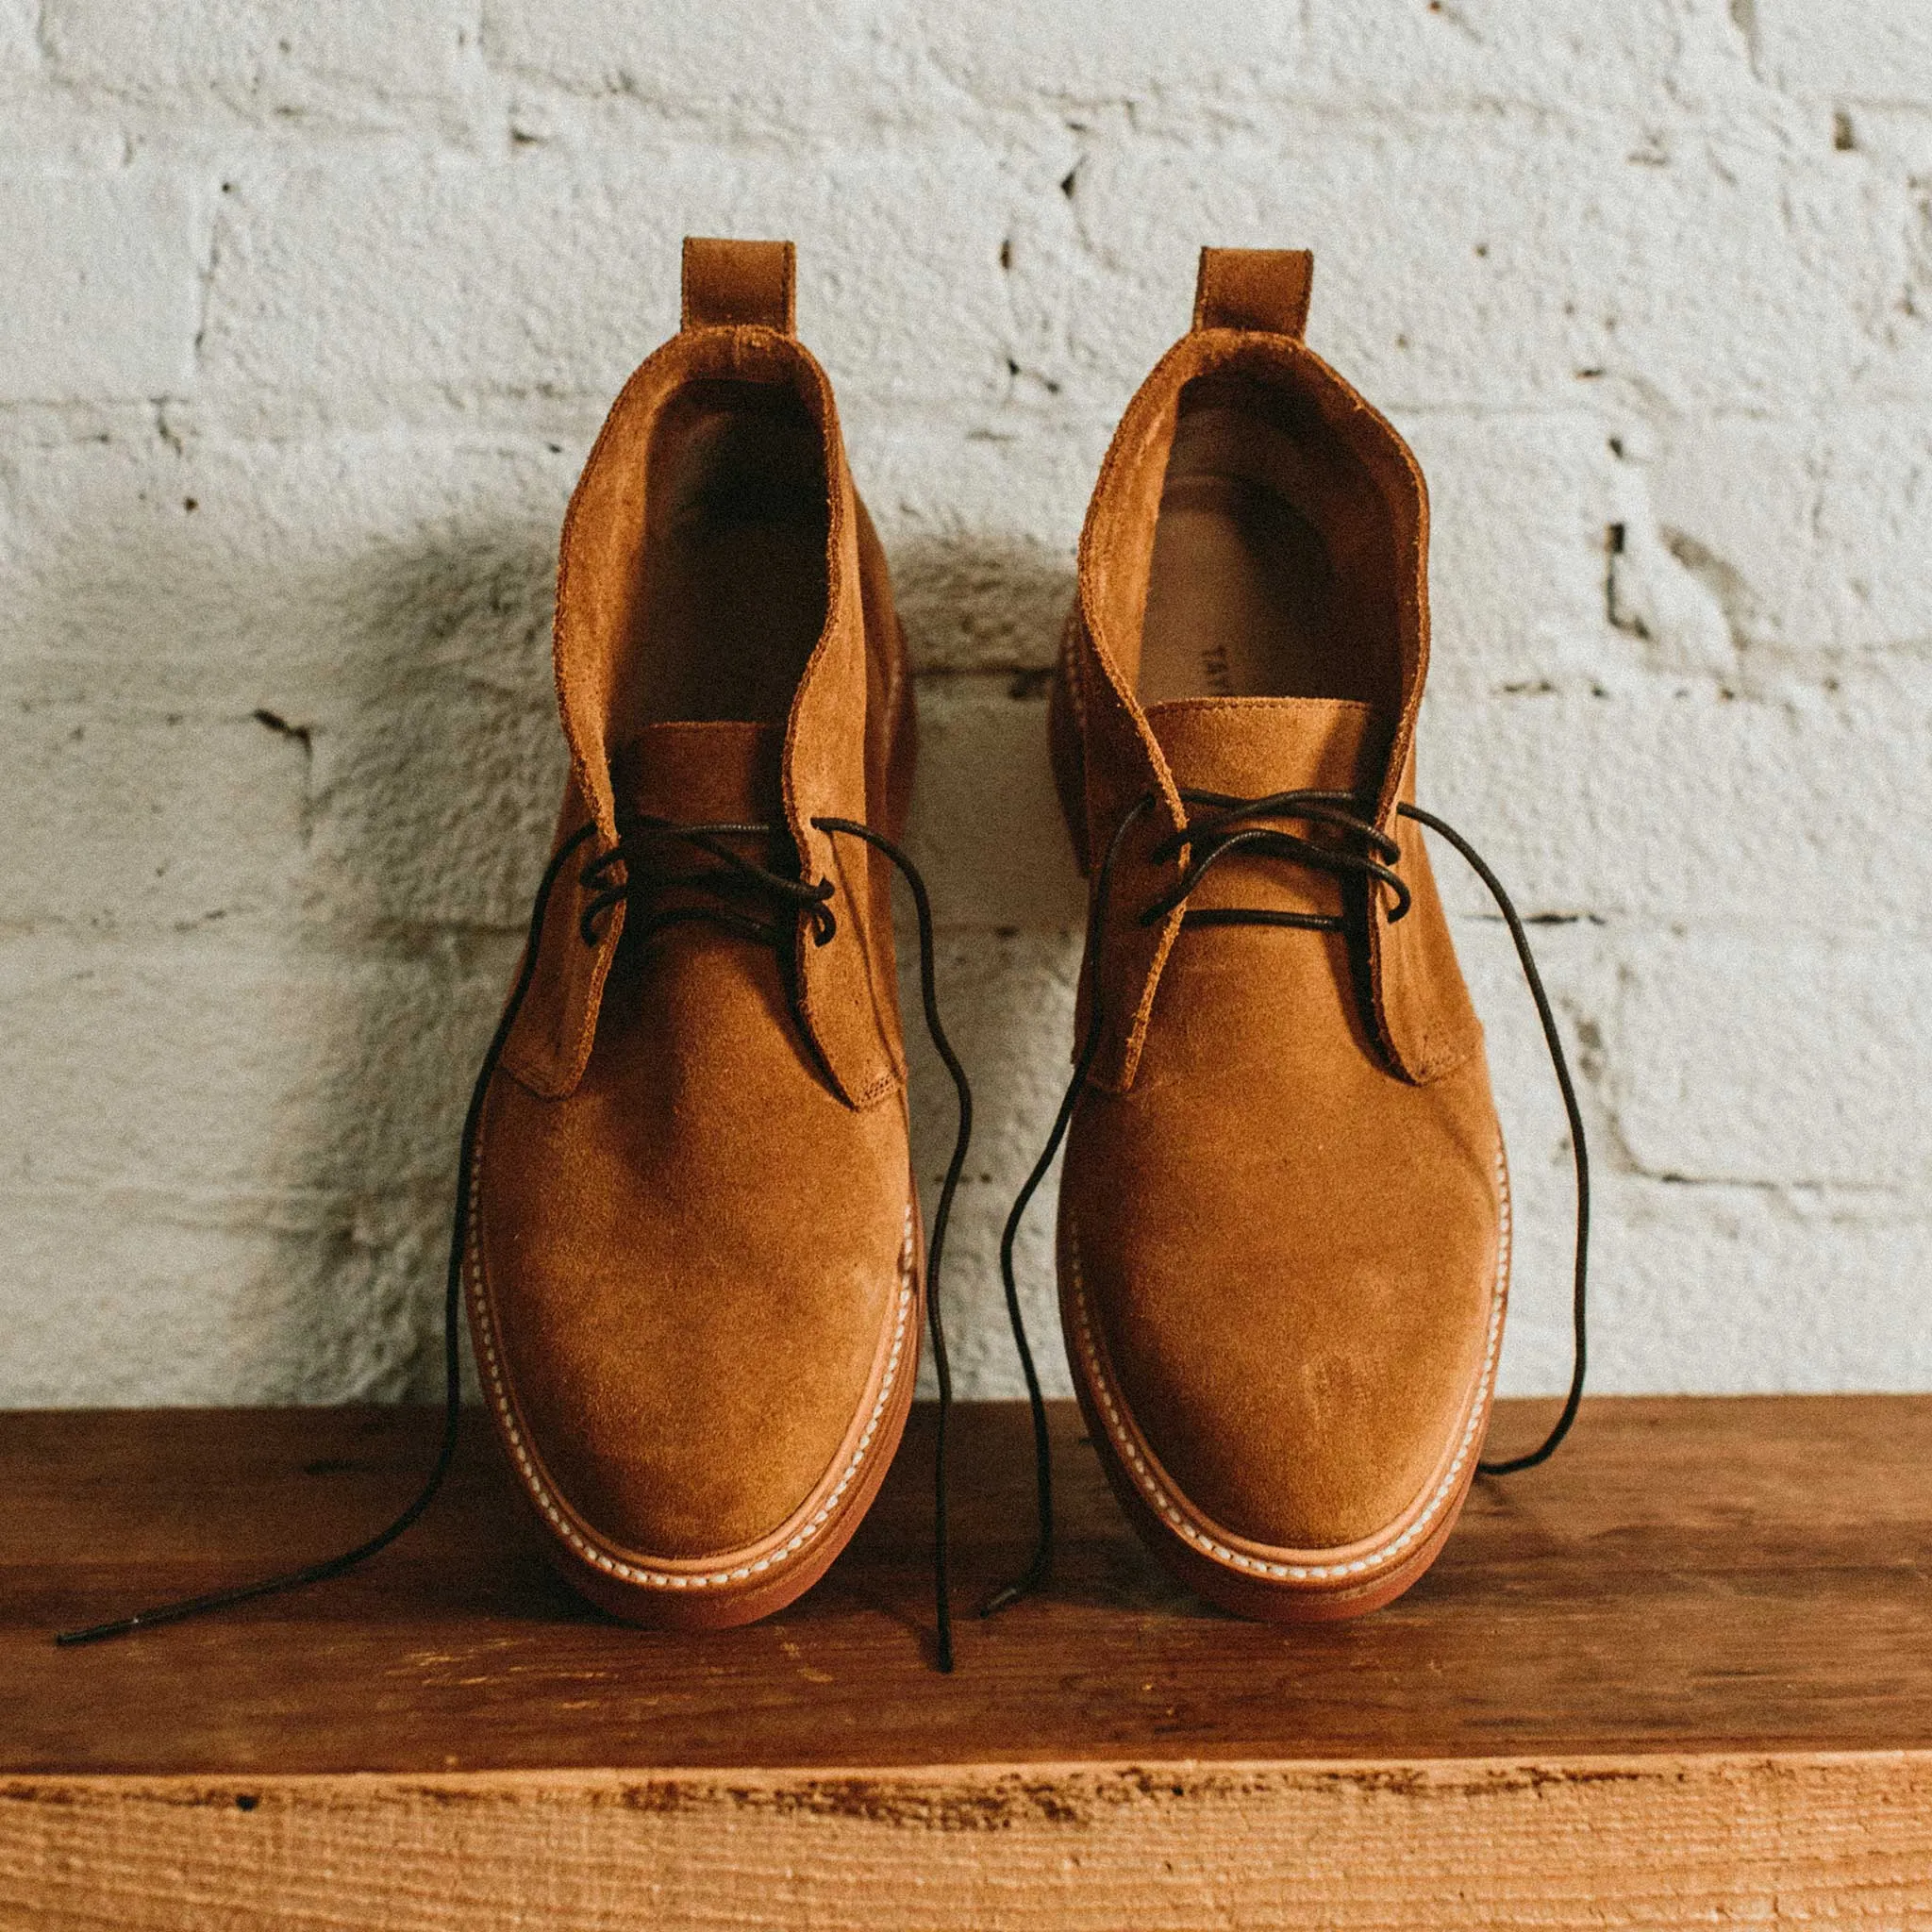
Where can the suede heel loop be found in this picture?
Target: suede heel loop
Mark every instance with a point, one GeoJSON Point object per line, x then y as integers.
{"type": "Point", "coordinates": [739, 283]}
{"type": "Point", "coordinates": [1229, 825]}
{"type": "Point", "coordinates": [1255, 288]}
{"type": "Point", "coordinates": [452, 1329]}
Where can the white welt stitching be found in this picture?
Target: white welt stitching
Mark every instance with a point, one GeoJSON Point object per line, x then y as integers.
{"type": "Point", "coordinates": [631, 1573]}
{"type": "Point", "coordinates": [1174, 1512]}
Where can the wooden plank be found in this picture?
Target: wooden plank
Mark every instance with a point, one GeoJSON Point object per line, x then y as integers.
{"type": "Point", "coordinates": [1682, 1676]}
{"type": "Point", "coordinates": [1648, 1841]}
{"type": "Point", "coordinates": [1744, 1575]}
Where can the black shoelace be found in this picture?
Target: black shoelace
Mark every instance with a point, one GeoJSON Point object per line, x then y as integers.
{"type": "Point", "coordinates": [721, 894]}
{"type": "Point", "coordinates": [1356, 851]}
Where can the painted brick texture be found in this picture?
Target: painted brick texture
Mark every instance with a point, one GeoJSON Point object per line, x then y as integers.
{"type": "Point", "coordinates": [309, 316]}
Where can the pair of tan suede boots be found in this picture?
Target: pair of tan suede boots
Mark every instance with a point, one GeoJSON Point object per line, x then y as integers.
{"type": "Point", "coordinates": [693, 1255]}
{"type": "Point", "coordinates": [688, 1234]}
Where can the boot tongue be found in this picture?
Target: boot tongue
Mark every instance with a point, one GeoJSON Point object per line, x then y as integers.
{"type": "Point", "coordinates": [708, 774]}
{"type": "Point", "coordinates": [1250, 747]}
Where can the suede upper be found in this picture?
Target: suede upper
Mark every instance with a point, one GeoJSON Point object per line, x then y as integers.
{"type": "Point", "coordinates": [1283, 1216]}
{"type": "Point", "coordinates": [693, 1226]}
{"type": "Point", "coordinates": [827, 768]}
{"type": "Point", "coordinates": [1419, 1008]}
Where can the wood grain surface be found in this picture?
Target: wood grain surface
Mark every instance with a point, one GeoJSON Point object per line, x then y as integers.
{"type": "Point", "coordinates": [1637, 1843]}
{"type": "Point", "coordinates": [1684, 1673]}
{"type": "Point", "coordinates": [1744, 1574]}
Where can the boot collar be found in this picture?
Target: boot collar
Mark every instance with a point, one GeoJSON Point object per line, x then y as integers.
{"type": "Point", "coordinates": [822, 764]}
{"type": "Point", "coordinates": [1123, 759]}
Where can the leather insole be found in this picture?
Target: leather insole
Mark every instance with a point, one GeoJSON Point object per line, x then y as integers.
{"type": "Point", "coordinates": [1248, 591]}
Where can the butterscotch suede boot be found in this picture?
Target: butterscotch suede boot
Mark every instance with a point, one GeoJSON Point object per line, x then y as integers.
{"type": "Point", "coordinates": [686, 1230]}
{"type": "Point", "coordinates": [692, 1265]}
{"type": "Point", "coordinates": [1284, 1222]}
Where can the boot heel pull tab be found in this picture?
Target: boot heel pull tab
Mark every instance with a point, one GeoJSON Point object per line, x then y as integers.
{"type": "Point", "coordinates": [1264, 288]}
{"type": "Point", "coordinates": [739, 283]}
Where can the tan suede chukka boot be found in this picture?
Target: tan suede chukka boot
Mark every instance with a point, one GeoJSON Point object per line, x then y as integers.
{"type": "Point", "coordinates": [686, 1234]}
{"type": "Point", "coordinates": [693, 1271]}
{"type": "Point", "coordinates": [1284, 1226]}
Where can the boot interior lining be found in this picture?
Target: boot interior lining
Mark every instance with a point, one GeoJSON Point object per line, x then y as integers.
{"type": "Point", "coordinates": [733, 591]}
{"type": "Point", "coordinates": [1271, 569]}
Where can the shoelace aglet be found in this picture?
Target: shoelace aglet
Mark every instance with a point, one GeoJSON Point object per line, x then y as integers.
{"type": "Point", "coordinates": [126, 1627]}
{"type": "Point", "coordinates": [157, 1614]}
{"type": "Point", "coordinates": [1027, 1584]}
{"type": "Point", "coordinates": [96, 1633]}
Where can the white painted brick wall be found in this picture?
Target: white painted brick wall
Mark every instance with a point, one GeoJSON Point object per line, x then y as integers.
{"type": "Point", "coordinates": [308, 314]}
{"type": "Point", "coordinates": [359, 59]}
{"type": "Point", "coordinates": [102, 284]}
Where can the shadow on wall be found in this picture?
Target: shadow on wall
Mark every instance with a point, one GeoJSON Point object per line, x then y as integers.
{"type": "Point", "coordinates": [435, 779]}
{"type": "Point", "coordinates": [319, 780]}
{"type": "Point", "coordinates": [242, 1078]}
{"type": "Point", "coordinates": [982, 604]}
{"type": "Point", "coordinates": [987, 831]}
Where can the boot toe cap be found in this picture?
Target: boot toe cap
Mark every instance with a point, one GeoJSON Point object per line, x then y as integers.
{"type": "Point", "coordinates": [1304, 1357]}
{"type": "Point", "coordinates": [677, 1376]}
{"type": "Point", "coordinates": [1306, 1448]}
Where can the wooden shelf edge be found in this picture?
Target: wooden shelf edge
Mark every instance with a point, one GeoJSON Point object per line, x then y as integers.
{"type": "Point", "coordinates": [1658, 1839]}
